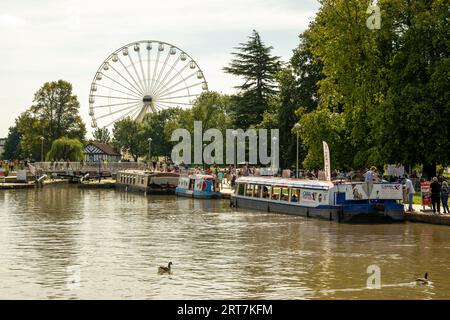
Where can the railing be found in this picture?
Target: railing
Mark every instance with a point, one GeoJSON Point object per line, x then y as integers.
{"type": "Point", "coordinates": [112, 167]}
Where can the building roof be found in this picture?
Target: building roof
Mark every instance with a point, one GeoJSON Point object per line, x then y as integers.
{"type": "Point", "coordinates": [105, 148]}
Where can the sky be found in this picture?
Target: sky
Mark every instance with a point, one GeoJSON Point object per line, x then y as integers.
{"type": "Point", "coordinates": [47, 40]}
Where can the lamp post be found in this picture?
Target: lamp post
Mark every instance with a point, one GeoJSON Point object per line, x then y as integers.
{"type": "Point", "coordinates": [274, 140]}
{"type": "Point", "coordinates": [297, 128]}
{"type": "Point", "coordinates": [42, 149]}
{"type": "Point", "coordinates": [235, 133]}
{"type": "Point", "coordinates": [203, 160]}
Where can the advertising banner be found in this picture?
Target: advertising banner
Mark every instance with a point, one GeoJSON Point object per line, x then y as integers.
{"type": "Point", "coordinates": [425, 190]}
{"type": "Point", "coordinates": [326, 161]}
{"type": "Point", "coordinates": [392, 191]}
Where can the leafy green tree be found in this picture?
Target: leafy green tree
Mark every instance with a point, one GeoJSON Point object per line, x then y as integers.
{"type": "Point", "coordinates": [12, 150]}
{"type": "Point", "coordinates": [129, 137]}
{"type": "Point", "coordinates": [324, 125]}
{"type": "Point", "coordinates": [298, 88]}
{"type": "Point", "coordinates": [255, 64]}
{"type": "Point", "coordinates": [67, 149]}
{"type": "Point", "coordinates": [54, 114]}
{"type": "Point", "coordinates": [154, 127]}
{"type": "Point", "coordinates": [102, 135]}
{"type": "Point", "coordinates": [414, 118]}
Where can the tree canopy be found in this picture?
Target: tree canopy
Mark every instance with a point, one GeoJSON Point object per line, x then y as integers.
{"type": "Point", "coordinates": [54, 114]}
{"type": "Point", "coordinates": [67, 149]}
{"type": "Point", "coordinates": [255, 64]}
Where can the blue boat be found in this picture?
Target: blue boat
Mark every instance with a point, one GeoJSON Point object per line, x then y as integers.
{"type": "Point", "coordinates": [198, 186]}
{"type": "Point", "coordinates": [357, 202]}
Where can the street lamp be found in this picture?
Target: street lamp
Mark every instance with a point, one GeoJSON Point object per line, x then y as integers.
{"type": "Point", "coordinates": [203, 160]}
{"type": "Point", "coordinates": [297, 128]}
{"type": "Point", "coordinates": [235, 133]}
{"type": "Point", "coordinates": [42, 149]}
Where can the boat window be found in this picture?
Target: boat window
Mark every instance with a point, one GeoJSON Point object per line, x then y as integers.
{"type": "Point", "coordinates": [266, 192]}
{"type": "Point", "coordinates": [191, 184]}
{"type": "Point", "coordinates": [241, 189]}
{"type": "Point", "coordinates": [284, 194]}
{"type": "Point", "coordinates": [249, 190]}
{"type": "Point", "coordinates": [276, 193]}
{"type": "Point", "coordinates": [295, 195]}
{"type": "Point", "coordinates": [257, 193]}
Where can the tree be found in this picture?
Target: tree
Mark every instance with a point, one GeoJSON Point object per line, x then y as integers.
{"type": "Point", "coordinates": [298, 88]}
{"type": "Point", "coordinates": [67, 149]}
{"type": "Point", "coordinates": [211, 108]}
{"type": "Point", "coordinates": [255, 64]}
{"type": "Point", "coordinates": [12, 150]}
{"type": "Point", "coordinates": [414, 118]}
{"type": "Point", "coordinates": [102, 135]}
{"type": "Point", "coordinates": [324, 125]}
{"type": "Point", "coordinates": [129, 137]}
{"type": "Point", "coordinates": [53, 115]}
{"type": "Point", "coordinates": [154, 127]}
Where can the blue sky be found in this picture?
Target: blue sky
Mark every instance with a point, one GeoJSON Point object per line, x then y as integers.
{"type": "Point", "coordinates": [48, 40]}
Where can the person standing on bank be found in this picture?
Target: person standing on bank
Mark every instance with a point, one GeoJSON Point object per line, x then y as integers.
{"type": "Point", "coordinates": [410, 192]}
{"type": "Point", "coordinates": [370, 175]}
{"type": "Point", "coordinates": [445, 191]}
{"type": "Point", "coordinates": [436, 195]}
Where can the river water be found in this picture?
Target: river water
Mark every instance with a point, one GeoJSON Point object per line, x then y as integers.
{"type": "Point", "coordinates": [62, 242]}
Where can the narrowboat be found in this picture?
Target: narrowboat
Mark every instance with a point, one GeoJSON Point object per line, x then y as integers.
{"type": "Point", "coordinates": [198, 186]}
{"type": "Point", "coordinates": [148, 182]}
{"type": "Point", "coordinates": [360, 202]}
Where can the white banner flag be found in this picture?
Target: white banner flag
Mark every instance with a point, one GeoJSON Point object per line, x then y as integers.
{"type": "Point", "coordinates": [326, 161]}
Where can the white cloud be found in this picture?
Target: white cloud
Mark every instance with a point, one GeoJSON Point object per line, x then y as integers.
{"type": "Point", "coordinates": [11, 21]}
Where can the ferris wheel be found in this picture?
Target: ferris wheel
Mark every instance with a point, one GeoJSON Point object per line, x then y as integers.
{"type": "Point", "coordinates": [143, 77]}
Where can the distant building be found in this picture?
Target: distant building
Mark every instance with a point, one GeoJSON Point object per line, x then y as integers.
{"type": "Point", "coordinates": [2, 147]}
{"type": "Point", "coordinates": [95, 151]}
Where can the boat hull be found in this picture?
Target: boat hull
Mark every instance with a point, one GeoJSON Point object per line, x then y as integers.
{"type": "Point", "coordinates": [197, 194]}
{"type": "Point", "coordinates": [146, 190]}
{"type": "Point", "coordinates": [340, 213]}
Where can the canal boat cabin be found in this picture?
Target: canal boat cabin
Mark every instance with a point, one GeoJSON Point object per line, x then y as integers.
{"type": "Point", "coordinates": [148, 182]}
{"type": "Point", "coordinates": [360, 202]}
{"type": "Point", "coordinates": [198, 186]}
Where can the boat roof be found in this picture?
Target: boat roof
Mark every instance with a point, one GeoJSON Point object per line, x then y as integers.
{"type": "Point", "coordinates": [149, 173]}
{"type": "Point", "coordinates": [286, 182]}
{"type": "Point", "coordinates": [199, 176]}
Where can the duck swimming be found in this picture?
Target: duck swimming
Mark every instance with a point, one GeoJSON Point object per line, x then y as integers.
{"type": "Point", "coordinates": [423, 280]}
{"type": "Point", "coordinates": [167, 269]}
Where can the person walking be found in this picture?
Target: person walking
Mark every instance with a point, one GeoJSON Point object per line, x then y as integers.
{"type": "Point", "coordinates": [445, 191]}
{"type": "Point", "coordinates": [436, 195]}
{"type": "Point", "coordinates": [410, 192]}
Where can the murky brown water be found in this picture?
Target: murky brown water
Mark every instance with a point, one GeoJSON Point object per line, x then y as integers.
{"type": "Point", "coordinates": [114, 241]}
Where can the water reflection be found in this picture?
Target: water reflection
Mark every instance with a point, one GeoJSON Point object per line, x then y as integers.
{"type": "Point", "coordinates": [117, 240]}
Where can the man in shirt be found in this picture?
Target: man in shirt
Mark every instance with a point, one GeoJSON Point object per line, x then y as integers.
{"type": "Point", "coordinates": [369, 176]}
{"type": "Point", "coordinates": [410, 192]}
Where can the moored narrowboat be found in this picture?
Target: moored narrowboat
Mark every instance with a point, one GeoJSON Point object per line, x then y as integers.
{"type": "Point", "coordinates": [148, 182]}
{"type": "Point", "coordinates": [360, 202]}
{"type": "Point", "coordinates": [198, 186]}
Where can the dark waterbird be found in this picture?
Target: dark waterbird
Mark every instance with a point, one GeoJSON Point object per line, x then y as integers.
{"type": "Point", "coordinates": [423, 280]}
{"type": "Point", "coordinates": [167, 269]}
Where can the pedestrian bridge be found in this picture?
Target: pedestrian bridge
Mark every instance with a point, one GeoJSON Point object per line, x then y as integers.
{"type": "Point", "coordinates": [80, 168]}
